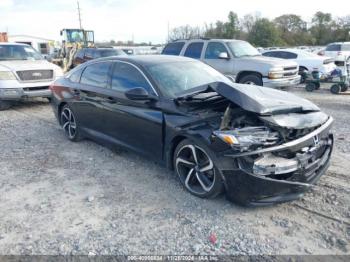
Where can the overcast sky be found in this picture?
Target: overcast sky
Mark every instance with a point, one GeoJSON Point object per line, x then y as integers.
{"type": "Point", "coordinates": [145, 20]}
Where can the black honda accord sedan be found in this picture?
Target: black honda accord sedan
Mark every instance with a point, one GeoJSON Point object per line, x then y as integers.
{"type": "Point", "coordinates": [257, 144]}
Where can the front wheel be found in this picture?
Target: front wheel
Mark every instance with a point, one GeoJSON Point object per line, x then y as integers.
{"type": "Point", "coordinates": [251, 80]}
{"type": "Point", "coordinates": [69, 124]}
{"type": "Point", "coordinates": [196, 170]}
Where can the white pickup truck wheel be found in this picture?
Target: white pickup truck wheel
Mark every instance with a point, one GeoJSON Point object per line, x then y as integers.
{"type": "Point", "coordinates": [251, 80]}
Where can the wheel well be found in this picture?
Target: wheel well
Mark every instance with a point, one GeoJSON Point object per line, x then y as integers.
{"type": "Point", "coordinates": [245, 73]}
{"type": "Point", "coordinates": [174, 143]}
{"type": "Point", "coordinates": [303, 68]}
{"type": "Point", "coordinates": [60, 110]}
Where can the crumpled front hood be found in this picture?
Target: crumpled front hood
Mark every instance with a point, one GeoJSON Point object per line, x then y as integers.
{"type": "Point", "coordinates": [21, 65]}
{"type": "Point", "coordinates": [264, 100]}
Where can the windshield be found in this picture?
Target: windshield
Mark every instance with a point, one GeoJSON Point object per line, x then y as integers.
{"type": "Point", "coordinates": [18, 52]}
{"type": "Point", "coordinates": [75, 35]}
{"type": "Point", "coordinates": [177, 77]}
{"type": "Point", "coordinates": [241, 48]}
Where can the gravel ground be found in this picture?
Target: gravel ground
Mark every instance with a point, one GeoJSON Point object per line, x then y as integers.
{"type": "Point", "coordinates": [59, 197]}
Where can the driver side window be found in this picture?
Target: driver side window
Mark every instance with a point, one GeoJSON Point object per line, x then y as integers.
{"type": "Point", "coordinates": [214, 49]}
{"type": "Point", "coordinates": [126, 77]}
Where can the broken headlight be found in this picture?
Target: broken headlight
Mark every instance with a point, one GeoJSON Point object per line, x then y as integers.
{"type": "Point", "coordinates": [248, 137]}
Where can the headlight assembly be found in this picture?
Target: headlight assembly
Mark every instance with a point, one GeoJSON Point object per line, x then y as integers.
{"type": "Point", "coordinates": [247, 137]}
{"type": "Point", "coordinates": [7, 75]}
{"type": "Point", "coordinates": [276, 72]}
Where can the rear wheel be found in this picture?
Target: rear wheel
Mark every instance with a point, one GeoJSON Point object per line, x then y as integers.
{"type": "Point", "coordinates": [344, 88]}
{"type": "Point", "coordinates": [335, 89]}
{"type": "Point", "coordinates": [4, 105]}
{"type": "Point", "coordinates": [251, 80]}
{"type": "Point", "coordinates": [196, 170]}
{"type": "Point", "coordinates": [310, 87]}
{"type": "Point", "coordinates": [69, 124]}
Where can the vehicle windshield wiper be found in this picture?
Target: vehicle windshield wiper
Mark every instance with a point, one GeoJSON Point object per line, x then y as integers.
{"type": "Point", "coordinates": [195, 95]}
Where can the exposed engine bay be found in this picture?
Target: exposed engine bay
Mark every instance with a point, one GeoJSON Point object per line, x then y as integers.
{"type": "Point", "coordinates": [248, 132]}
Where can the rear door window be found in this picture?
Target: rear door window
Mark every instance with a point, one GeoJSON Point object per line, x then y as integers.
{"type": "Point", "coordinates": [194, 50]}
{"type": "Point", "coordinates": [126, 76]}
{"type": "Point", "coordinates": [173, 48]}
{"type": "Point", "coordinates": [96, 75]}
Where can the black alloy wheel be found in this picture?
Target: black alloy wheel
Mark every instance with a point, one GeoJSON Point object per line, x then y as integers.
{"type": "Point", "coordinates": [69, 124]}
{"type": "Point", "coordinates": [196, 170]}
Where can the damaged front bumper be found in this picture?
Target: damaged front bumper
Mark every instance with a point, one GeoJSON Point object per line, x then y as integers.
{"type": "Point", "coordinates": [280, 173]}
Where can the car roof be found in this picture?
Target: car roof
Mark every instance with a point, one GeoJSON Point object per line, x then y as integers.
{"type": "Point", "coordinates": [13, 43]}
{"type": "Point", "coordinates": [208, 39]}
{"type": "Point", "coordinates": [338, 43]}
{"type": "Point", "coordinates": [145, 60]}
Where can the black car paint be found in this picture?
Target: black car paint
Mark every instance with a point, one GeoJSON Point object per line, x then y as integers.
{"type": "Point", "coordinates": [154, 128]}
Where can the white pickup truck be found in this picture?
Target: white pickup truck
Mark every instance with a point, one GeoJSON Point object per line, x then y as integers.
{"type": "Point", "coordinates": [239, 61]}
{"type": "Point", "coordinates": [24, 74]}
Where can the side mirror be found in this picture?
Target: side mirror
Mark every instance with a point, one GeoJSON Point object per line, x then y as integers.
{"type": "Point", "coordinates": [138, 93]}
{"type": "Point", "coordinates": [224, 55]}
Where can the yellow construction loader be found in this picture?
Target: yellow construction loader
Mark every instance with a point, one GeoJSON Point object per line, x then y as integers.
{"type": "Point", "coordinates": [73, 40]}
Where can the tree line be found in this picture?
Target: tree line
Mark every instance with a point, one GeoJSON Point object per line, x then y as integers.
{"type": "Point", "coordinates": [285, 30]}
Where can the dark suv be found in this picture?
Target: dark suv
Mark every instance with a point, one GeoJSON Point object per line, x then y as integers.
{"type": "Point", "coordinates": [85, 54]}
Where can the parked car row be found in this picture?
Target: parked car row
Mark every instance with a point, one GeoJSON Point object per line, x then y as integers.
{"type": "Point", "coordinates": [308, 62]}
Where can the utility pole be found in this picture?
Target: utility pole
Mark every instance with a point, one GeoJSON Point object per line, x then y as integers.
{"type": "Point", "coordinates": [79, 15]}
{"type": "Point", "coordinates": [168, 40]}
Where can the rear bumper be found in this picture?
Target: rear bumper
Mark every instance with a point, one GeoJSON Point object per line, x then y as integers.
{"type": "Point", "coordinates": [283, 82]}
{"type": "Point", "coordinates": [246, 187]}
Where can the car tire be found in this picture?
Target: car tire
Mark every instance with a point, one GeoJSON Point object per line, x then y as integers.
{"type": "Point", "coordinates": [69, 124]}
{"type": "Point", "coordinates": [335, 89]}
{"type": "Point", "coordinates": [344, 88]}
{"type": "Point", "coordinates": [251, 80]}
{"type": "Point", "coordinates": [303, 73]}
{"type": "Point", "coordinates": [196, 170]}
{"type": "Point", "coordinates": [4, 105]}
{"type": "Point", "coordinates": [310, 87]}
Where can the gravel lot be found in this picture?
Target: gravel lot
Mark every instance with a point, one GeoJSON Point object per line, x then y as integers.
{"type": "Point", "coordinates": [59, 197]}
